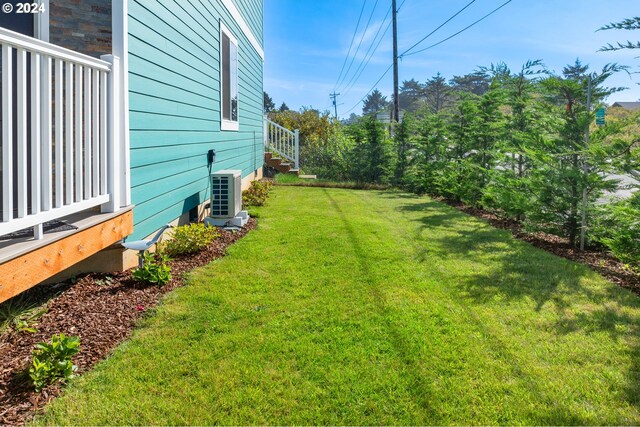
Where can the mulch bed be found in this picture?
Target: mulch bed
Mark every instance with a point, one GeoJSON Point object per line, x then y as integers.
{"type": "Point", "coordinates": [102, 312]}
{"type": "Point", "coordinates": [595, 258]}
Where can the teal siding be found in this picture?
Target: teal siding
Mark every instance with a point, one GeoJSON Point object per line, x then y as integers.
{"type": "Point", "coordinates": [252, 11]}
{"type": "Point", "coordinates": [174, 103]}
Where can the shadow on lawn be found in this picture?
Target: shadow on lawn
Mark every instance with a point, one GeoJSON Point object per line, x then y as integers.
{"type": "Point", "coordinates": [513, 270]}
{"type": "Point", "coordinates": [421, 389]}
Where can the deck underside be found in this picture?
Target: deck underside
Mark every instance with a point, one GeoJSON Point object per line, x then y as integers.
{"type": "Point", "coordinates": [25, 262]}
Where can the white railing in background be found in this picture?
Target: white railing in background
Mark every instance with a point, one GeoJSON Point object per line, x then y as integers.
{"type": "Point", "coordinates": [282, 141]}
{"type": "Point", "coordinates": [61, 156]}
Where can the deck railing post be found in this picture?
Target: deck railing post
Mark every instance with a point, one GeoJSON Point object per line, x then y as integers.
{"type": "Point", "coordinates": [265, 132]}
{"type": "Point", "coordinates": [7, 133]}
{"type": "Point", "coordinates": [282, 142]}
{"type": "Point", "coordinates": [113, 128]}
{"type": "Point", "coordinates": [297, 148]}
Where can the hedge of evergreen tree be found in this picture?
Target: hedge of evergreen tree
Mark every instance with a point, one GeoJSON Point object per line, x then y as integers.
{"type": "Point", "coordinates": [512, 142]}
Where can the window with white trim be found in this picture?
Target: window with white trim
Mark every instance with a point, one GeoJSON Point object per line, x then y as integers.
{"type": "Point", "coordinates": [228, 79]}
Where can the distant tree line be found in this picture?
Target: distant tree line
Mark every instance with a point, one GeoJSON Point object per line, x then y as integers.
{"type": "Point", "coordinates": [269, 106]}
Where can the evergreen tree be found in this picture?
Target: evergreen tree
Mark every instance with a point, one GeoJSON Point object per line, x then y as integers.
{"type": "Point", "coordinates": [353, 118]}
{"type": "Point", "coordinates": [268, 104]}
{"type": "Point", "coordinates": [374, 103]}
{"type": "Point", "coordinates": [410, 92]}
{"type": "Point", "coordinates": [283, 107]}
{"type": "Point", "coordinates": [371, 157]}
{"type": "Point", "coordinates": [525, 124]}
{"type": "Point", "coordinates": [437, 93]}
{"type": "Point", "coordinates": [456, 180]}
{"type": "Point", "coordinates": [576, 71]}
{"type": "Point", "coordinates": [429, 155]}
{"type": "Point", "coordinates": [477, 129]}
{"type": "Point", "coordinates": [627, 24]}
{"type": "Point", "coordinates": [402, 142]}
{"type": "Point", "coordinates": [476, 83]}
{"type": "Point", "coordinates": [559, 177]}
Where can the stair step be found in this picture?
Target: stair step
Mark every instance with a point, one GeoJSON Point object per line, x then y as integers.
{"type": "Point", "coordinates": [283, 168]}
{"type": "Point", "coordinates": [280, 164]}
{"type": "Point", "coordinates": [274, 161]}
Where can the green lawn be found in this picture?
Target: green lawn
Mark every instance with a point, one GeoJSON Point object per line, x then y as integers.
{"type": "Point", "coordinates": [367, 307]}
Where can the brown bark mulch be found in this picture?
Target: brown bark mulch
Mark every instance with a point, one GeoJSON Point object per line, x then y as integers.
{"type": "Point", "coordinates": [595, 258]}
{"type": "Point", "coordinates": [100, 309]}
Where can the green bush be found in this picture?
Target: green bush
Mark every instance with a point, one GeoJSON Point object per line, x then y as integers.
{"type": "Point", "coordinates": [329, 158]}
{"type": "Point", "coordinates": [372, 155]}
{"type": "Point", "coordinates": [257, 194]}
{"type": "Point", "coordinates": [617, 226]}
{"type": "Point", "coordinates": [53, 361]}
{"type": "Point", "coordinates": [190, 238]}
{"type": "Point", "coordinates": [155, 269]}
{"type": "Point", "coordinates": [311, 123]}
{"type": "Point", "coordinates": [507, 194]}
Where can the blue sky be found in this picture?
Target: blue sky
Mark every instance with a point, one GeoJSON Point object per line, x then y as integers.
{"type": "Point", "coordinates": [306, 42]}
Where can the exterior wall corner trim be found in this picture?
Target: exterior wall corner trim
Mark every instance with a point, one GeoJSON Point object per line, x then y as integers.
{"type": "Point", "coordinates": [120, 48]}
{"type": "Point", "coordinates": [237, 16]}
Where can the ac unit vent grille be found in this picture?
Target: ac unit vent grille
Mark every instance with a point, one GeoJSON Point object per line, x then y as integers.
{"type": "Point", "coordinates": [226, 194]}
{"type": "Point", "coordinates": [220, 195]}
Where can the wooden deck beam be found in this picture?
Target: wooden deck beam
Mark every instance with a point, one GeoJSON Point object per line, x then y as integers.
{"type": "Point", "coordinates": [23, 272]}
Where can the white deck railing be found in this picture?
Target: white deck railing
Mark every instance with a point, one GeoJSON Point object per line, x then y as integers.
{"type": "Point", "coordinates": [282, 141]}
{"type": "Point", "coordinates": [58, 120]}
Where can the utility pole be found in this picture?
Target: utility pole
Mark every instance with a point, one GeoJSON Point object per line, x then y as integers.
{"type": "Point", "coordinates": [396, 106]}
{"type": "Point", "coordinates": [585, 168]}
{"type": "Point", "coordinates": [334, 96]}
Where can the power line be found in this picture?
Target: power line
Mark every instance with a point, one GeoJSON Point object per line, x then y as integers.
{"type": "Point", "coordinates": [461, 31]}
{"type": "Point", "coordinates": [405, 53]}
{"type": "Point", "coordinates": [357, 74]}
{"type": "Point", "coordinates": [440, 26]}
{"type": "Point", "coordinates": [374, 85]}
{"type": "Point", "coordinates": [361, 71]}
{"type": "Point", "coordinates": [360, 42]}
{"type": "Point", "coordinates": [383, 74]}
{"type": "Point", "coordinates": [352, 40]}
{"type": "Point", "coordinates": [369, 54]}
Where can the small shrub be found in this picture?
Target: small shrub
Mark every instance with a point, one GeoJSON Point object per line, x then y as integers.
{"type": "Point", "coordinates": [190, 238]}
{"type": "Point", "coordinates": [617, 226]}
{"type": "Point", "coordinates": [256, 194]}
{"type": "Point", "coordinates": [53, 361]}
{"type": "Point", "coordinates": [106, 281]}
{"type": "Point", "coordinates": [155, 269]}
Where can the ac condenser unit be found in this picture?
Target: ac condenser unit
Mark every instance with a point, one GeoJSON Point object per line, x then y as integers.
{"type": "Point", "coordinates": [226, 199]}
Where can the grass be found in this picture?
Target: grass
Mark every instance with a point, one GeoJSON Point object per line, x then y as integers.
{"type": "Point", "coordinates": [365, 307]}
{"type": "Point", "coordinates": [20, 315]}
{"type": "Point", "coordinates": [287, 179]}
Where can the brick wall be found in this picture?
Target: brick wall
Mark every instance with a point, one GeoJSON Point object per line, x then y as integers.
{"type": "Point", "coordinates": [81, 25]}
